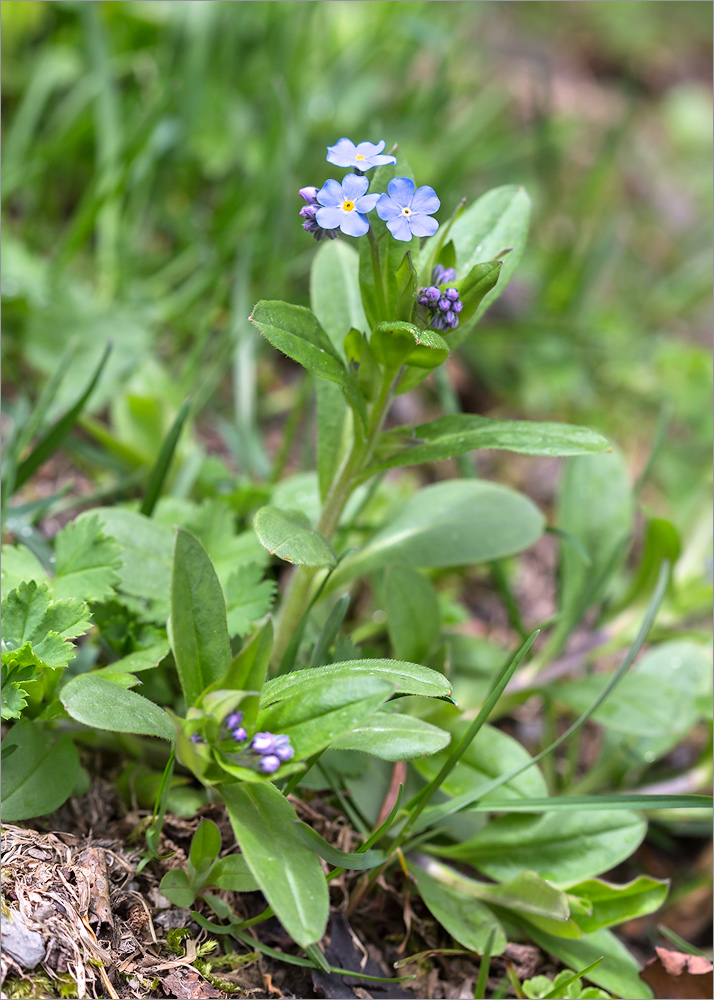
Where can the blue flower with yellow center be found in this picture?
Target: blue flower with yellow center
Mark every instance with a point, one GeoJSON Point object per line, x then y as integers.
{"type": "Point", "coordinates": [408, 212]}
{"type": "Point", "coordinates": [363, 156]}
{"type": "Point", "coordinates": [344, 205]}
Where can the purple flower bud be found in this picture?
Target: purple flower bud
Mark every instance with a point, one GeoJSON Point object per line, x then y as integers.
{"type": "Point", "coordinates": [196, 738]}
{"type": "Point", "coordinates": [444, 305]}
{"type": "Point", "coordinates": [433, 294]}
{"type": "Point", "coordinates": [239, 734]}
{"type": "Point", "coordinates": [440, 275]}
{"type": "Point", "coordinates": [457, 306]}
{"type": "Point", "coordinates": [263, 743]}
{"type": "Point", "coordinates": [309, 194]}
{"type": "Point", "coordinates": [282, 748]}
{"type": "Point", "coordinates": [450, 318]}
{"type": "Point", "coordinates": [423, 301]}
{"type": "Point", "coordinates": [233, 719]}
{"type": "Point", "coordinates": [270, 763]}
{"type": "Point", "coordinates": [452, 294]}
{"type": "Point", "coordinates": [308, 211]}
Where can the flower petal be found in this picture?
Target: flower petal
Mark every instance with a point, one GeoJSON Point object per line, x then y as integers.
{"type": "Point", "coordinates": [399, 228]}
{"type": "Point", "coordinates": [380, 161]}
{"type": "Point", "coordinates": [354, 224]}
{"type": "Point", "coordinates": [367, 202]}
{"type": "Point", "coordinates": [330, 218]}
{"type": "Point", "coordinates": [425, 201]}
{"type": "Point", "coordinates": [401, 190]}
{"type": "Point", "coordinates": [423, 225]}
{"type": "Point", "coordinates": [342, 154]}
{"type": "Point", "coordinates": [369, 149]}
{"type": "Point", "coordinates": [354, 186]}
{"type": "Point", "coordinates": [387, 209]}
{"type": "Point", "coordinates": [330, 193]}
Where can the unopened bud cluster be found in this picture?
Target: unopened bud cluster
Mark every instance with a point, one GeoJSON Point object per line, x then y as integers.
{"type": "Point", "coordinates": [265, 749]}
{"type": "Point", "coordinates": [444, 304]}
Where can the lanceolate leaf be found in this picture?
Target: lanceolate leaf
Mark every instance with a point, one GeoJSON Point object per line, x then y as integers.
{"type": "Point", "coordinates": [289, 535]}
{"type": "Point", "coordinates": [407, 678]}
{"type": "Point", "coordinates": [334, 291]}
{"type": "Point", "coordinates": [199, 631]}
{"type": "Point", "coordinates": [340, 859]}
{"type": "Point", "coordinates": [288, 872]}
{"type": "Point", "coordinates": [455, 435]}
{"type": "Point", "coordinates": [100, 703]}
{"type": "Point", "coordinates": [394, 737]}
{"type": "Point", "coordinates": [467, 920]}
{"type": "Point", "coordinates": [455, 523]}
{"type": "Point", "coordinates": [295, 331]}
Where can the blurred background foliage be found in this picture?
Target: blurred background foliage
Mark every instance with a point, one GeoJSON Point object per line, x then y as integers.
{"type": "Point", "coordinates": [152, 155]}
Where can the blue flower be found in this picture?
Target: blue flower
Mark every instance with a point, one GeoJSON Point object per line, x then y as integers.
{"type": "Point", "coordinates": [363, 156]}
{"type": "Point", "coordinates": [344, 205]}
{"type": "Point", "coordinates": [408, 212]}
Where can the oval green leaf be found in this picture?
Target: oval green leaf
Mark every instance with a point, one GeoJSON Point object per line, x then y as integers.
{"type": "Point", "coordinates": [394, 737]}
{"type": "Point", "coordinates": [289, 535]}
{"type": "Point", "coordinates": [407, 678]}
{"type": "Point", "coordinates": [101, 704]}
{"type": "Point", "coordinates": [40, 777]}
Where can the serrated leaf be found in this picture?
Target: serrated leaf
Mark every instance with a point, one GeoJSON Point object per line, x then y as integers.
{"type": "Point", "coordinates": [19, 564]}
{"type": "Point", "coordinates": [100, 703]}
{"type": "Point", "coordinates": [86, 561]}
{"type": "Point", "coordinates": [289, 535]}
{"type": "Point", "coordinates": [248, 598]}
{"type": "Point", "coordinates": [455, 435]}
{"type": "Point", "coordinates": [31, 616]}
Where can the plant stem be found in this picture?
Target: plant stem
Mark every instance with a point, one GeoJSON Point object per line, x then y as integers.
{"type": "Point", "coordinates": [377, 272]}
{"type": "Point", "coordinates": [297, 596]}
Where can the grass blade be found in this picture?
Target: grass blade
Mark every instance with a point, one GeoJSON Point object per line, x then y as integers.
{"type": "Point", "coordinates": [644, 802]}
{"type": "Point", "coordinates": [484, 968]}
{"type": "Point", "coordinates": [163, 462]}
{"type": "Point", "coordinates": [329, 632]}
{"type": "Point", "coordinates": [557, 990]}
{"type": "Point", "coordinates": [54, 437]}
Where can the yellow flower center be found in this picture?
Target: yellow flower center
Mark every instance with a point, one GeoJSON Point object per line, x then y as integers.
{"type": "Point", "coordinates": [348, 206]}
{"type": "Point", "coordinates": [360, 157]}
{"type": "Point", "coordinates": [406, 211]}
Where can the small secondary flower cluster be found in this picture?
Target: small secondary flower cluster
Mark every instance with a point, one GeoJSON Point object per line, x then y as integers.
{"type": "Point", "coordinates": [265, 749]}
{"type": "Point", "coordinates": [406, 210]}
{"type": "Point", "coordinates": [444, 305]}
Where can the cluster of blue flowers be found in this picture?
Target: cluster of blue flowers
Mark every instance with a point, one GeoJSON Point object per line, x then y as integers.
{"type": "Point", "coordinates": [265, 750]}
{"type": "Point", "coordinates": [444, 304]}
{"type": "Point", "coordinates": [344, 207]}
{"type": "Point", "coordinates": [268, 751]}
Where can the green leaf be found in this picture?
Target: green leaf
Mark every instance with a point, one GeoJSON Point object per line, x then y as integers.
{"type": "Point", "coordinates": [232, 873]}
{"type": "Point", "coordinates": [619, 972]}
{"type": "Point", "coordinates": [248, 668]}
{"type": "Point", "coordinates": [526, 893]}
{"type": "Point", "coordinates": [288, 873]}
{"type": "Point", "coordinates": [455, 435]}
{"type": "Point", "coordinates": [205, 844]}
{"type": "Point", "coordinates": [29, 615]}
{"type": "Point", "coordinates": [563, 847]}
{"type": "Point", "coordinates": [596, 507]}
{"type": "Point", "coordinates": [467, 920]}
{"type": "Point", "coordinates": [86, 561]}
{"type": "Point", "coordinates": [659, 697]}
{"type": "Point", "coordinates": [495, 222]}
{"type": "Point", "coordinates": [146, 550]}
{"type": "Point", "coordinates": [19, 564]}
{"type": "Point", "coordinates": [295, 331]}
{"type": "Point", "coordinates": [199, 631]}
{"type": "Point", "coordinates": [334, 291]}
{"type": "Point", "coordinates": [315, 717]}
{"type": "Point", "coordinates": [394, 737]}
{"type": "Point", "coordinates": [40, 776]}
{"type": "Point", "coordinates": [176, 887]}
{"type": "Point", "coordinates": [289, 535]}
{"type": "Point", "coordinates": [332, 432]}
{"type": "Point", "coordinates": [163, 461]}
{"type": "Point", "coordinates": [490, 754]}
{"type": "Point", "coordinates": [406, 678]}
{"type": "Point", "coordinates": [614, 904]}
{"type": "Point", "coordinates": [340, 859]}
{"type": "Point", "coordinates": [455, 523]}
{"type": "Point", "coordinates": [475, 286]}
{"type": "Point", "coordinates": [413, 617]}
{"type": "Point", "coordinates": [395, 343]}
{"type": "Point", "coordinates": [248, 598]}
{"type": "Point", "coordinates": [100, 703]}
